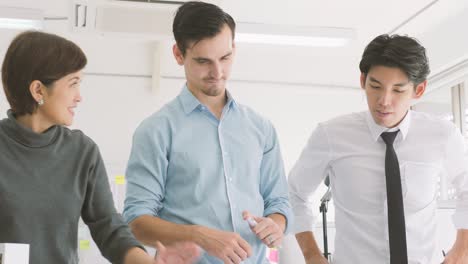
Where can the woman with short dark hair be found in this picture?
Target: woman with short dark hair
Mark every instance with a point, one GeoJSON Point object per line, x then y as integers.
{"type": "Point", "coordinates": [50, 176]}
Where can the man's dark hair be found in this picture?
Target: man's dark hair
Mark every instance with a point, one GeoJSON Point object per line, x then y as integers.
{"type": "Point", "coordinates": [196, 20]}
{"type": "Point", "coordinates": [397, 51]}
{"type": "Point", "coordinates": [34, 55]}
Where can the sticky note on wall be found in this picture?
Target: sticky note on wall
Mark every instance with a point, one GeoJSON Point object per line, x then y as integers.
{"type": "Point", "coordinates": [273, 255]}
{"type": "Point", "coordinates": [120, 179]}
{"type": "Point", "coordinates": [85, 244]}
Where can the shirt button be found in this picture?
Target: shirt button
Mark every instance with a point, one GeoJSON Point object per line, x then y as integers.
{"type": "Point", "coordinates": [230, 179]}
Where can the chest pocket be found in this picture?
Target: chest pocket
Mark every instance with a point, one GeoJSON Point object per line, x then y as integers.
{"type": "Point", "coordinates": [419, 184]}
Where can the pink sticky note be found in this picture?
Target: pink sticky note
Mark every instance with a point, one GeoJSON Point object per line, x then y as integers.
{"type": "Point", "coordinates": [274, 256]}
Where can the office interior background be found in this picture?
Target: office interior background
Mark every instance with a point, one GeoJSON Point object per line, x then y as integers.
{"type": "Point", "coordinates": [132, 73]}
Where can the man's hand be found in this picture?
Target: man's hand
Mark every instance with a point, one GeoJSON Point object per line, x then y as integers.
{"type": "Point", "coordinates": [317, 259]}
{"type": "Point", "coordinates": [266, 229]}
{"type": "Point", "coordinates": [456, 256]}
{"type": "Point", "coordinates": [179, 253]}
{"type": "Point", "coordinates": [459, 252]}
{"type": "Point", "coordinates": [228, 246]}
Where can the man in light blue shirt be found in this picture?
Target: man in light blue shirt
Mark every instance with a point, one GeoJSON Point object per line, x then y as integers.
{"type": "Point", "coordinates": [204, 164]}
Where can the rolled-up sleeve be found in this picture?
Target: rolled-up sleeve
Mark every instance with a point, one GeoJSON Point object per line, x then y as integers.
{"type": "Point", "coordinates": [456, 164]}
{"type": "Point", "coordinates": [146, 170]}
{"type": "Point", "coordinates": [306, 175]}
{"type": "Point", "coordinates": [274, 186]}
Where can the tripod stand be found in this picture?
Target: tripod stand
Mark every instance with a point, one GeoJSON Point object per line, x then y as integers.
{"type": "Point", "coordinates": [323, 209]}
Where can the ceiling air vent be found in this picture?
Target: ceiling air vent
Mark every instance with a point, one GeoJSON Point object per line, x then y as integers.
{"type": "Point", "coordinates": [147, 18]}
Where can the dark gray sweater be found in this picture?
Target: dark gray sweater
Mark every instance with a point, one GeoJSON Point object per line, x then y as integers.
{"type": "Point", "coordinates": [49, 180]}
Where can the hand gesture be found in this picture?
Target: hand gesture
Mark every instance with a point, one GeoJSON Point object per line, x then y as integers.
{"type": "Point", "coordinates": [179, 253]}
{"type": "Point", "coordinates": [228, 246]}
{"type": "Point", "coordinates": [265, 229]}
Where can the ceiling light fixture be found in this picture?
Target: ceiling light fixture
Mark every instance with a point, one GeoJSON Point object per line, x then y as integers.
{"type": "Point", "coordinates": [21, 18]}
{"type": "Point", "coordinates": [293, 35]}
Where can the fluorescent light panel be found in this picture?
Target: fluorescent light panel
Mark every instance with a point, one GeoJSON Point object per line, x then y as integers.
{"type": "Point", "coordinates": [21, 18]}
{"type": "Point", "coordinates": [291, 40]}
{"type": "Point", "coordinates": [20, 23]}
{"type": "Point", "coordinates": [293, 35]}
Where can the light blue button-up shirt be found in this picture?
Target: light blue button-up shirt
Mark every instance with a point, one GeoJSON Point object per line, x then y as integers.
{"type": "Point", "coordinates": [188, 167]}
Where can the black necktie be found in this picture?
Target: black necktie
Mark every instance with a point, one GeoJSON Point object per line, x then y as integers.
{"type": "Point", "coordinates": [396, 214]}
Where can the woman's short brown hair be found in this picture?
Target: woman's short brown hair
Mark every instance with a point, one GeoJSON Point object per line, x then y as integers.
{"type": "Point", "coordinates": [34, 55]}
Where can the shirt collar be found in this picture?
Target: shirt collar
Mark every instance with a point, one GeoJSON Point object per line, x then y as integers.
{"type": "Point", "coordinates": [231, 103]}
{"type": "Point", "coordinates": [190, 102]}
{"type": "Point", "coordinates": [376, 130]}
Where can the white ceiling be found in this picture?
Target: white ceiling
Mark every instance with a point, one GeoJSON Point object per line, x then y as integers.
{"type": "Point", "coordinates": [369, 18]}
{"type": "Point", "coordinates": [325, 66]}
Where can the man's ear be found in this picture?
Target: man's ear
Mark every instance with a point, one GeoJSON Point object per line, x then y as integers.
{"type": "Point", "coordinates": [363, 80]}
{"type": "Point", "coordinates": [420, 89]}
{"type": "Point", "coordinates": [36, 90]}
{"type": "Point", "coordinates": [178, 55]}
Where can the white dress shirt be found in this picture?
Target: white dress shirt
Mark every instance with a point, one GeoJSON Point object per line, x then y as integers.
{"type": "Point", "coordinates": [349, 149]}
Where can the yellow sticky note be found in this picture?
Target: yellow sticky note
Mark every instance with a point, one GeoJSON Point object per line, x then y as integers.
{"type": "Point", "coordinates": [84, 244]}
{"type": "Point", "coordinates": [120, 179]}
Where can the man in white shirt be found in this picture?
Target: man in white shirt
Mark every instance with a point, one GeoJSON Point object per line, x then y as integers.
{"type": "Point", "coordinates": [351, 150]}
